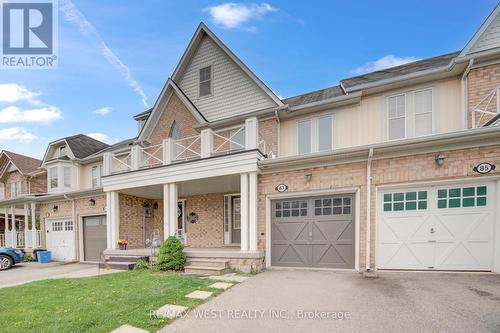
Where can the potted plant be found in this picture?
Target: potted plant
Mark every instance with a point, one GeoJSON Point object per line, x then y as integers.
{"type": "Point", "coordinates": [122, 244]}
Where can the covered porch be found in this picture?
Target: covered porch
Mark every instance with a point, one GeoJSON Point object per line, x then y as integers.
{"type": "Point", "coordinates": [20, 226]}
{"type": "Point", "coordinates": [214, 217]}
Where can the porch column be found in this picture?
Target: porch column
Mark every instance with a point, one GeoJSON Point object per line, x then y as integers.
{"type": "Point", "coordinates": [172, 207]}
{"type": "Point", "coordinates": [244, 210]}
{"type": "Point", "coordinates": [207, 142]}
{"type": "Point", "coordinates": [251, 133]}
{"type": "Point", "coordinates": [34, 243]}
{"type": "Point", "coordinates": [252, 211]}
{"type": "Point", "coordinates": [26, 229]}
{"type": "Point", "coordinates": [166, 194]}
{"type": "Point", "coordinates": [13, 223]}
{"type": "Point", "coordinates": [168, 151]}
{"type": "Point", "coordinates": [113, 218]}
{"type": "Point", "coordinates": [6, 221]}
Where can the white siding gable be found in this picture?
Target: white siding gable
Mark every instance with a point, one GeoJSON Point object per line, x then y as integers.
{"type": "Point", "coordinates": [233, 91]}
{"type": "Point", "coordinates": [490, 37]}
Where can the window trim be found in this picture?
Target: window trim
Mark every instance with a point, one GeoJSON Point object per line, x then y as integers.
{"type": "Point", "coordinates": [211, 80]}
{"type": "Point", "coordinates": [60, 151]}
{"type": "Point", "coordinates": [97, 167]}
{"type": "Point", "coordinates": [432, 112]}
{"type": "Point", "coordinates": [314, 130]}
{"type": "Point", "coordinates": [51, 173]}
{"type": "Point", "coordinates": [387, 119]}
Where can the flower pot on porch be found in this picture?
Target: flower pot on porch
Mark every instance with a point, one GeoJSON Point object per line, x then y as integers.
{"type": "Point", "coordinates": [122, 246]}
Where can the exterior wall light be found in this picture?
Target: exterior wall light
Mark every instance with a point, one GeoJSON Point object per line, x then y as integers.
{"type": "Point", "coordinates": [55, 208]}
{"type": "Point", "coordinates": [440, 159]}
{"type": "Point", "coordinates": [92, 202]}
{"type": "Point", "coordinates": [308, 176]}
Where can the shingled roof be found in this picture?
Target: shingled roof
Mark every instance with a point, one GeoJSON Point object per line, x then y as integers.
{"type": "Point", "coordinates": [82, 145]}
{"type": "Point", "coordinates": [388, 73]}
{"type": "Point", "coordinates": [314, 96]}
{"type": "Point", "coordinates": [24, 164]}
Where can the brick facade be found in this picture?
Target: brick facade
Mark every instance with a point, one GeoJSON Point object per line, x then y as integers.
{"type": "Point", "coordinates": [83, 208]}
{"type": "Point", "coordinates": [480, 82]}
{"type": "Point", "coordinates": [38, 184]}
{"type": "Point", "coordinates": [400, 170]}
{"type": "Point", "coordinates": [209, 230]}
{"type": "Point", "coordinates": [14, 177]}
{"type": "Point", "coordinates": [268, 130]}
{"type": "Point", "coordinates": [174, 111]}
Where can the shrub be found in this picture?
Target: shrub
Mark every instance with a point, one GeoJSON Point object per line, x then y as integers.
{"type": "Point", "coordinates": [171, 256]}
{"type": "Point", "coordinates": [141, 265]}
{"type": "Point", "coordinates": [29, 258]}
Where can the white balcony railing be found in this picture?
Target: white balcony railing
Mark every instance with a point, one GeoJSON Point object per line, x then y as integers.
{"type": "Point", "coordinates": [208, 143]}
{"type": "Point", "coordinates": [38, 238]}
{"type": "Point", "coordinates": [487, 108]}
{"type": "Point", "coordinates": [20, 239]}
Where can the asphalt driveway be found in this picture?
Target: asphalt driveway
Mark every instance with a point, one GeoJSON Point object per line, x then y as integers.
{"type": "Point", "coordinates": [313, 301]}
{"type": "Point", "coordinates": [33, 271]}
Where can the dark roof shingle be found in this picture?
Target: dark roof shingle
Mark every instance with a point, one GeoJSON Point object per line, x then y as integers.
{"type": "Point", "coordinates": [24, 163]}
{"type": "Point", "coordinates": [82, 145]}
{"type": "Point", "coordinates": [314, 96]}
{"type": "Point", "coordinates": [388, 73]}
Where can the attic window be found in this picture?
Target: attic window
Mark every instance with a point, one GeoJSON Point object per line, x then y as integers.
{"type": "Point", "coordinates": [206, 81]}
{"type": "Point", "coordinates": [62, 151]}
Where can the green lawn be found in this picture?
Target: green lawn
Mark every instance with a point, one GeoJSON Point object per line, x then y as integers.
{"type": "Point", "coordinates": [96, 304]}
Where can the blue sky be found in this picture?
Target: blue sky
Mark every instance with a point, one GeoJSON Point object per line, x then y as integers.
{"type": "Point", "coordinates": [115, 56]}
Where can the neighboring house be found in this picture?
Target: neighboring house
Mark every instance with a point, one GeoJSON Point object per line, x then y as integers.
{"type": "Point", "coordinates": [378, 172]}
{"type": "Point", "coordinates": [19, 175]}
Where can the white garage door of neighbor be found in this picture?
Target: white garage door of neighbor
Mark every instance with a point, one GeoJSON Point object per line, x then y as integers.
{"type": "Point", "coordinates": [442, 227]}
{"type": "Point", "coordinates": [61, 239]}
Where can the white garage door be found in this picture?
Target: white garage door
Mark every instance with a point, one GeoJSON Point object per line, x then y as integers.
{"type": "Point", "coordinates": [61, 239]}
{"type": "Point", "coordinates": [436, 227]}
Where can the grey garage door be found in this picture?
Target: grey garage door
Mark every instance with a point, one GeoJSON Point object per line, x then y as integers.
{"type": "Point", "coordinates": [313, 232]}
{"type": "Point", "coordinates": [94, 237]}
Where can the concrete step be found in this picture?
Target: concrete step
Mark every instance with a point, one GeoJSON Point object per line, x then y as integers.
{"type": "Point", "coordinates": [205, 270]}
{"type": "Point", "coordinates": [120, 265]}
{"type": "Point", "coordinates": [218, 263]}
{"type": "Point", "coordinates": [126, 258]}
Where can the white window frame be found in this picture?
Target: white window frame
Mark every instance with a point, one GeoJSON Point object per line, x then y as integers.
{"type": "Point", "coordinates": [97, 179]}
{"type": "Point", "coordinates": [432, 111]}
{"type": "Point", "coordinates": [410, 114]}
{"type": "Point", "coordinates": [61, 149]}
{"type": "Point", "coordinates": [211, 80]}
{"type": "Point", "coordinates": [70, 170]}
{"type": "Point", "coordinates": [55, 170]}
{"type": "Point", "coordinates": [314, 121]}
{"type": "Point", "coordinates": [388, 119]}
{"type": "Point", "coordinates": [2, 191]}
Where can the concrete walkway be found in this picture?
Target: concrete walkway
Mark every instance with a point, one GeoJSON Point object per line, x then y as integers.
{"type": "Point", "coordinates": [309, 301]}
{"type": "Point", "coordinates": [33, 271]}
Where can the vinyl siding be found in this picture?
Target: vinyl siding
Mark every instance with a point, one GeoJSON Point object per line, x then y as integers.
{"type": "Point", "coordinates": [233, 92]}
{"type": "Point", "coordinates": [365, 122]}
{"type": "Point", "coordinates": [490, 38]}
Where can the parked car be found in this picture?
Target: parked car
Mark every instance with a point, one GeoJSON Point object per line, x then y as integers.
{"type": "Point", "coordinates": [9, 257]}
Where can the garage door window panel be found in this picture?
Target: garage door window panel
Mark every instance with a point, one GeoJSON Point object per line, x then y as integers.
{"type": "Point", "coordinates": [332, 206]}
{"type": "Point", "coordinates": [405, 201]}
{"type": "Point", "coordinates": [294, 208]}
{"type": "Point", "coordinates": [462, 197]}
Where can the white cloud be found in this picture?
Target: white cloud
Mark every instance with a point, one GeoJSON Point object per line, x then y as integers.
{"type": "Point", "coordinates": [232, 15]}
{"type": "Point", "coordinates": [102, 137]}
{"type": "Point", "coordinates": [103, 111]}
{"type": "Point", "coordinates": [73, 15]}
{"type": "Point", "coordinates": [11, 93]}
{"type": "Point", "coordinates": [16, 134]}
{"type": "Point", "coordinates": [44, 115]}
{"type": "Point", "coordinates": [382, 63]}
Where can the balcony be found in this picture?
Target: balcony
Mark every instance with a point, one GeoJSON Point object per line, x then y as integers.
{"type": "Point", "coordinates": [208, 143]}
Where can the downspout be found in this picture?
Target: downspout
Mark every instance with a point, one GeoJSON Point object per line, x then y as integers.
{"type": "Point", "coordinates": [73, 217]}
{"type": "Point", "coordinates": [279, 132]}
{"type": "Point", "coordinates": [463, 85]}
{"type": "Point", "coordinates": [368, 207]}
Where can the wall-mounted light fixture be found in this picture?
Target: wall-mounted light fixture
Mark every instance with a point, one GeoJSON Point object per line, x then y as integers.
{"type": "Point", "coordinates": [155, 205]}
{"type": "Point", "coordinates": [47, 214]}
{"type": "Point", "coordinates": [308, 175]}
{"type": "Point", "coordinates": [55, 208]}
{"type": "Point", "coordinates": [440, 159]}
{"type": "Point", "coordinates": [92, 202]}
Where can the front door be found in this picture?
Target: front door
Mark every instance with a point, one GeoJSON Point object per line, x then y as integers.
{"type": "Point", "coordinates": [94, 237]}
{"type": "Point", "coordinates": [235, 220]}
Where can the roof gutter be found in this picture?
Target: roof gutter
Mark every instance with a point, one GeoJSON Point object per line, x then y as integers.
{"type": "Point", "coordinates": [479, 136]}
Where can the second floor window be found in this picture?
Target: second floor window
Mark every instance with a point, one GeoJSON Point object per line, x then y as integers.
{"type": "Point", "coordinates": [15, 189]}
{"type": "Point", "coordinates": [396, 106]}
{"type": "Point", "coordinates": [315, 135]}
{"type": "Point", "coordinates": [206, 81]}
{"type": "Point", "coordinates": [423, 112]}
{"type": "Point", "coordinates": [96, 176]}
{"type": "Point", "coordinates": [67, 176]}
{"type": "Point", "coordinates": [53, 183]}
{"type": "Point", "coordinates": [2, 191]}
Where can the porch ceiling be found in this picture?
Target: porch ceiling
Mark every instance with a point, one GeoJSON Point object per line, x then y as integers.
{"type": "Point", "coordinates": [223, 184]}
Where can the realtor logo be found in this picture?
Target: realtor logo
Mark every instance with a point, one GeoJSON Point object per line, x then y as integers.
{"type": "Point", "coordinates": [28, 34]}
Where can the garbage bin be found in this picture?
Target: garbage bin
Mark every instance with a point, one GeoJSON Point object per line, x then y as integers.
{"type": "Point", "coordinates": [35, 251]}
{"type": "Point", "coordinates": [44, 257]}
